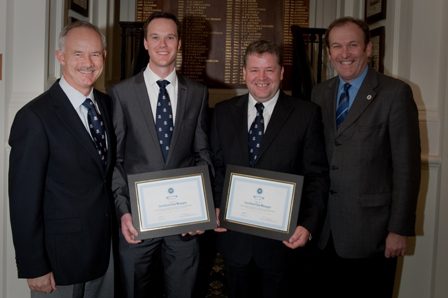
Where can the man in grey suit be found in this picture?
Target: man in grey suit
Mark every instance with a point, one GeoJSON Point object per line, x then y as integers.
{"type": "Point", "coordinates": [141, 149]}
{"type": "Point", "coordinates": [373, 147]}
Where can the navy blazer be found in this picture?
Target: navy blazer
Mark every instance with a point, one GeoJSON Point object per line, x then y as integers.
{"type": "Point", "coordinates": [59, 191]}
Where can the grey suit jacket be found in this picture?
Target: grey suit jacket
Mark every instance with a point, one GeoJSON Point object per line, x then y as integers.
{"type": "Point", "coordinates": [138, 149]}
{"type": "Point", "coordinates": [374, 159]}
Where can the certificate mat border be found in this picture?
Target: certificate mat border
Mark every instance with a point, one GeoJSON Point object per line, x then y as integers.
{"type": "Point", "coordinates": [267, 175]}
{"type": "Point", "coordinates": [166, 230]}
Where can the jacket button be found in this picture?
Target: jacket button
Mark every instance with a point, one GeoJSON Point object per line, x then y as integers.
{"type": "Point", "coordinates": [332, 192]}
{"type": "Point", "coordinates": [334, 167]}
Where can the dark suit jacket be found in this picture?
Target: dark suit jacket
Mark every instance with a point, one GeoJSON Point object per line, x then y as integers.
{"type": "Point", "coordinates": [60, 199]}
{"type": "Point", "coordinates": [293, 143]}
{"type": "Point", "coordinates": [138, 148]}
{"type": "Point", "coordinates": [374, 160]}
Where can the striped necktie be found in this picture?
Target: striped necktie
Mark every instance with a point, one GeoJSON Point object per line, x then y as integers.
{"type": "Point", "coordinates": [343, 105]}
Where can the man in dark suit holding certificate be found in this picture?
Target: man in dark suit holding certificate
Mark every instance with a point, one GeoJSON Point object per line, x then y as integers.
{"type": "Point", "coordinates": [160, 123]}
{"type": "Point", "coordinates": [268, 129]}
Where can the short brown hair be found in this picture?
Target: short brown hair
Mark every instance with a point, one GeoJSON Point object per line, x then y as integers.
{"type": "Point", "coordinates": [162, 15]}
{"type": "Point", "coordinates": [263, 46]}
{"type": "Point", "coordinates": [346, 20]}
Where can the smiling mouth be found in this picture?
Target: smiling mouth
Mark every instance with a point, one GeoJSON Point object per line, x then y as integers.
{"type": "Point", "coordinates": [87, 71]}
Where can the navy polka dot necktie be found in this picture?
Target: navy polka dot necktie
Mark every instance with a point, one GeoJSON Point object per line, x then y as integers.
{"type": "Point", "coordinates": [164, 118]}
{"type": "Point", "coordinates": [256, 132]}
{"type": "Point", "coordinates": [97, 131]}
{"type": "Point", "coordinates": [343, 105]}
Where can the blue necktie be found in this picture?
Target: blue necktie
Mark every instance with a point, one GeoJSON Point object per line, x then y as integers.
{"type": "Point", "coordinates": [256, 132]}
{"type": "Point", "coordinates": [343, 105]}
{"type": "Point", "coordinates": [97, 131]}
{"type": "Point", "coordinates": [164, 118]}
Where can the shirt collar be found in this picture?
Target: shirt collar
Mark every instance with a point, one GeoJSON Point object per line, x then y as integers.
{"type": "Point", "coordinates": [267, 104]}
{"type": "Point", "coordinates": [152, 78]}
{"type": "Point", "coordinates": [356, 83]}
{"type": "Point", "coordinates": [76, 97]}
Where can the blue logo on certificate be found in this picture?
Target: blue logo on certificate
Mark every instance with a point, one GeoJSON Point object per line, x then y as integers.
{"type": "Point", "coordinates": [170, 190]}
{"type": "Point", "coordinates": [259, 191]}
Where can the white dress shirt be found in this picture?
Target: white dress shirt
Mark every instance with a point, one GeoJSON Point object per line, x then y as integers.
{"type": "Point", "coordinates": [269, 106]}
{"type": "Point", "coordinates": [76, 99]}
{"type": "Point", "coordinates": [153, 90]}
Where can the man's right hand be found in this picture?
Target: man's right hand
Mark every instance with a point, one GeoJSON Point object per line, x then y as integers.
{"type": "Point", "coordinates": [218, 228]}
{"type": "Point", "coordinates": [128, 230]}
{"type": "Point", "coordinates": [44, 284]}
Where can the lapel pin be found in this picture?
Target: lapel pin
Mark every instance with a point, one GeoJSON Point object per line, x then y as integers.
{"type": "Point", "coordinates": [369, 97]}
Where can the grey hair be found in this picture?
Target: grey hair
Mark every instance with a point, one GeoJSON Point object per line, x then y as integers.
{"type": "Point", "coordinates": [79, 24]}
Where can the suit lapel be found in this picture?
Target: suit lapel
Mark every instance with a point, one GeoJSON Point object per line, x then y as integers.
{"type": "Point", "coordinates": [235, 128]}
{"type": "Point", "coordinates": [364, 98]}
{"type": "Point", "coordinates": [280, 115]}
{"type": "Point", "coordinates": [141, 96]}
{"type": "Point", "coordinates": [67, 115]}
{"type": "Point", "coordinates": [182, 104]}
{"type": "Point", "coordinates": [238, 119]}
{"type": "Point", "coordinates": [331, 92]}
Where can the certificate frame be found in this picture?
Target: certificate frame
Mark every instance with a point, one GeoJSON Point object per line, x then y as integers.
{"type": "Point", "coordinates": [377, 38]}
{"type": "Point", "coordinates": [80, 6]}
{"type": "Point", "coordinates": [375, 10]}
{"type": "Point", "coordinates": [247, 202]}
{"type": "Point", "coordinates": [159, 209]}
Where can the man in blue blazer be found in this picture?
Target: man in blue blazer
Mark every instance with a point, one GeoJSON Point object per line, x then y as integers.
{"type": "Point", "coordinates": [292, 142]}
{"type": "Point", "coordinates": [60, 177]}
{"type": "Point", "coordinates": [141, 149]}
{"type": "Point", "coordinates": [373, 147]}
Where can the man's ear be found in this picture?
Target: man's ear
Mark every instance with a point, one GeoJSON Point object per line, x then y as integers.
{"type": "Point", "coordinates": [369, 49]}
{"type": "Point", "coordinates": [60, 56]}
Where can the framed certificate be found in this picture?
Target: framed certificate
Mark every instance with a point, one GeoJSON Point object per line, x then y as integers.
{"type": "Point", "coordinates": [171, 202]}
{"type": "Point", "coordinates": [377, 37]}
{"type": "Point", "coordinates": [375, 10]}
{"type": "Point", "coordinates": [260, 202]}
{"type": "Point", "coordinates": [80, 6]}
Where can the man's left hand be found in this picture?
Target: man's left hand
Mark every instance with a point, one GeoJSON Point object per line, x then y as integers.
{"type": "Point", "coordinates": [395, 245]}
{"type": "Point", "coordinates": [298, 239]}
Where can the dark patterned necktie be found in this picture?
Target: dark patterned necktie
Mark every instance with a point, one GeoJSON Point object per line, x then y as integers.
{"type": "Point", "coordinates": [97, 131]}
{"type": "Point", "coordinates": [256, 132]}
{"type": "Point", "coordinates": [343, 105]}
{"type": "Point", "coordinates": [164, 118]}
